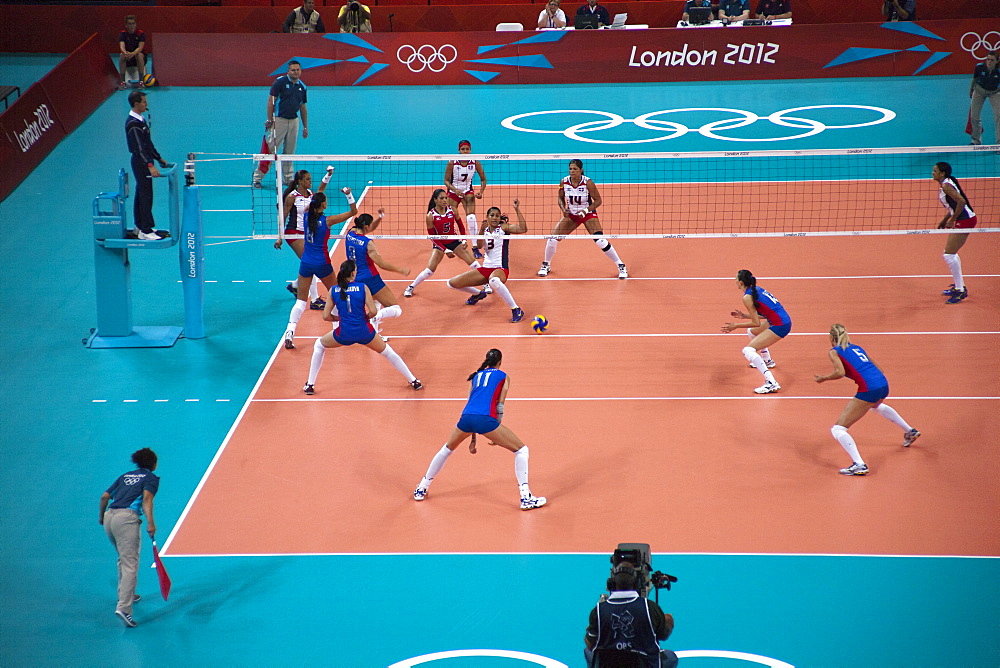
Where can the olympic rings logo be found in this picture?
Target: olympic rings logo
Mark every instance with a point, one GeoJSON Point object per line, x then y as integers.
{"type": "Point", "coordinates": [988, 42]}
{"type": "Point", "coordinates": [426, 57]}
{"type": "Point", "coordinates": [673, 129]}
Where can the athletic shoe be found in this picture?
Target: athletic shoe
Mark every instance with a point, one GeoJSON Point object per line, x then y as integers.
{"type": "Point", "coordinates": [855, 469]}
{"type": "Point", "coordinates": [408, 292]}
{"type": "Point", "coordinates": [767, 388]}
{"type": "Point", "coordinates": [256, 184]}
{"type": "Point", "coordinates": [531, 501]}
{"type": "Point", "coordinates": [148, 236]}
{"type": "Point", "coordinates": [949, 291]}
{"type": "Point", "coordinates": [136, 598]}
{"type": "Point", "coordinates": [289, 340]}
{"type": "Point", "coordinates": [544, 271]}
{"type": "Point", "coordinates": [622, 271]}
{"type": "Point", "coordinates": [419, 494]}
{"type": "Point", "coordinates": [416, 385]}
{"type": "Point", "coordinates": [477, 253]}
{"type": "Point", "coordinates": [488, 290]}
{"type": "Point", "coordinates": [163, 234]}
{"type": "Point", "coordinates": [770, 364]}
{"type": "Point", "coordinates": [318, 304]}
{"type": "Point", "coordinates": [516, 315]}
{"type": "Point", "coordinates": [126, 618]}
{"type": "Point", "coordinates": [293, 288]}
{"type": "Point", "coordinates": [309, 389]}
{"type": "Point", "coordinates": [139, 84]}
{"type": "Point", "coordinates": [909, 437]}
{"type": "Point", "coordinates": [122, 85]}
{"type": "Point", "coordinates": [957, 296]}
{"type": "Point", "coordinates": [475, 299]}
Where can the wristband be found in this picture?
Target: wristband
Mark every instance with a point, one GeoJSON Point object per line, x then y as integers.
{"type": "Point", "coordinates": [500, 411]}
{"type": "Point", "coordinates": [348, 195]}
{"type": "Point", "coordinates": [326, 178]}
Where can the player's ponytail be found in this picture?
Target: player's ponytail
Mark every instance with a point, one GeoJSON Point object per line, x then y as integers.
{"type": "Point", "coordinates": [347, 267]}
{"type": "Point", "coordinates": [315, 211]}
{"type": "Point", "coordinates": [363, 221]}
{"type": "Point", "coordinates": [746, 278]}
{"type": "Point", "coordinates": [432, 205]}
{"type": "Point", "coordinates": [838, 336]}
{"type": "Point", "coordinates": [493, 359]}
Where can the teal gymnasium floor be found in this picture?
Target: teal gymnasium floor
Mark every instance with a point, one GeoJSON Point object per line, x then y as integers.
{"type": "Point", "coordinates": [61, 450]}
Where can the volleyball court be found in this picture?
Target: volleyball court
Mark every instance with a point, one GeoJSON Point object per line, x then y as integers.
{"type": "Point", "coordinates": [633, 404]}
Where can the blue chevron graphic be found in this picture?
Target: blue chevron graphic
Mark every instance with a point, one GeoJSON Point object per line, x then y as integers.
{"type": "Point", "coordinates": [517, 61]}
{"type": "Point", "coordinates": [352, 39]}
{"type": "Point", "coordinates": [918, 47]}
{"type": "Point", "coordinates": [857, 53]}
{"type": "Point", "coordinates": [306, 63]}
{"type": "Point", "coordinates": [934, 57]}
{"type": "Point", "coordinates": [910, 28]}
{"type": "Point", "coordinates": [494, 47]}
{"type": "Point", "coordinates": [374, 69]}
{"type": "Point", "coordinates": [357, 59]}
{"type": "Point", "coordinates": [544, 37]}
{"type": "Point", "coordinates": [483, 76]}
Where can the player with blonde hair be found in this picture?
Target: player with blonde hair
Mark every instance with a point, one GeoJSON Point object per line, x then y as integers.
{"type": "Point", "coordinates": [852, 361]}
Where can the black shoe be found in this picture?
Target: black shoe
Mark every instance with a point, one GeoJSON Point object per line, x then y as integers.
{"type": "Point", "coordinates": [417, 385]}
{"type": "Point", "coordinates": [318, 304]}
{"type": "Point", "coordinates": [309, 389]}
{"type": "Point", "coordinates": [163, 234]}
{"type": "Point", "coordinates": [475, 299]}
{"type": "Point", "coordinates": [293, 288]}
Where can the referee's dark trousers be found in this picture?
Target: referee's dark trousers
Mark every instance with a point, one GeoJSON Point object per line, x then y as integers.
{"type": "Point", "coordinates": [142, 211]}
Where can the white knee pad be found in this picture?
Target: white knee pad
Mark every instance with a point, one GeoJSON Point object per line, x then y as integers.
{"type": "Point", "coordinates": [837, 430]}
{"type": "Point", "coordinates": [318, 346]}
{"type": "Point", "coordinates": [495, 282]}
{"type": "Point", "coordinates": [749, 352]}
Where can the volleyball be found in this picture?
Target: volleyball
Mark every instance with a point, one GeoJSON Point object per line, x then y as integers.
{"type": "Point", "coordinates": [539, 324]}
{"type": "Point", "coordinates": [149, 80]}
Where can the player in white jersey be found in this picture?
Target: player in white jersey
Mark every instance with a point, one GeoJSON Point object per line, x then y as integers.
{"type": "Point", "coordinates": [495, 269]}
{"type": "Point", "coordinates": [578, 201]}
{"type": "Point", "coordinates": [458, 182]}
{"type": "Point", "coordinates": [960, 216]}
{"type": "Point", "coordinates": [297, 199]}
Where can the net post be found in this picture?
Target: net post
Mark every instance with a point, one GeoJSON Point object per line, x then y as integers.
{"type": "Point", "coordinates": [192, 261]}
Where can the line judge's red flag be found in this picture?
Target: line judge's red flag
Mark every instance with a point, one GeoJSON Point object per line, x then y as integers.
{"type": "Point", "coordinates": [968, 124]}
{"type": "Point", "coordinates": [264, 148]}
{"type": "Point", "coordinates": [161, 573]}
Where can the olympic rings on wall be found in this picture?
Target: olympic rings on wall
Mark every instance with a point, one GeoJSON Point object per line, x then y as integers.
{"type": "Point", "coordinates": [673, 129]}
{"type": "Point", "coordinates": [979, 46]}
{"type": "Point", "coordinates": [426, 57]}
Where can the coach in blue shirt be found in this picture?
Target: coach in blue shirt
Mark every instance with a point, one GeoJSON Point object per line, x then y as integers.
{"type": "Point", "coordinates": [734, 10]}
{"type": "Point", "coordinates": [122, 507]}
{"type": "Point", "coordinates": [284, 105]}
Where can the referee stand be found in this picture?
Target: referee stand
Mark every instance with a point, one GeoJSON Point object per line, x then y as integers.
{"type": "Point", "coordinates": [113, 271]}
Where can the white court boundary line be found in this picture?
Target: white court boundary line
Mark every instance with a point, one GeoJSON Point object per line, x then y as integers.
{"type": "Point", "coordinates": [750, 397]}
{"type": "Point", "coordinates": [232, 429]}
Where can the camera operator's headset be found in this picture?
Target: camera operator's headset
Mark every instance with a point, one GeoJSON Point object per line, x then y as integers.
{"type": "Point", "coordinates": [626, 567]}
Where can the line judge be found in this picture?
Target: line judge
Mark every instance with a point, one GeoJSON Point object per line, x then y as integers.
{"type": "Point", "coordinates": [286, 102]}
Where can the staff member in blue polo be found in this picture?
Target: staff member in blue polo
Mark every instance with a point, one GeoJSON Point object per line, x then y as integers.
{"type": "Point", "coordinates": [122, 507]}
{"type": "Point", "coordinates": [287, 100]}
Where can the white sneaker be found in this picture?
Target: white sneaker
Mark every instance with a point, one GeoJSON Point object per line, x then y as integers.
{"type": "Point", "coordinates": [408, 292]}
{"type": "Point", "coordinates": [767, 388]}
{"type": "Point", "coordinates": [419, 494]}
{"type": "Point", "coordinates": [530, 502]}
{"type": "Point", "coordinates": [148, 236]}
{"type": "Point", "coordinates": [544, 271]}
{"type": "Point", "coordinates": [488, 290]}
{"type": "Point", "coordinates": [289, 339]}
{"type": "Point", "coordinates": [622, 271]}
{"type": "Point", "coordinates": [770, 364]}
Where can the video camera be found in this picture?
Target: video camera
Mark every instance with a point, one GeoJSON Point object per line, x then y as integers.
{"type": "Point", "coordinates": [640, 556]}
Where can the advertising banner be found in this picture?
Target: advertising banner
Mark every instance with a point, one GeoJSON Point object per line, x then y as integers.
{"type": "Point", "coordinates": [604, 56]}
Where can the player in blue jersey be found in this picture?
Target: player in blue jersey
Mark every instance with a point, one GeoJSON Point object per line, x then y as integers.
{"type": "Point", "coordinates": [960, 216]}
{"type": "Point", "coordinates": [482, 415]}
{"type": "Point", "coordinates": [852, 361]}
{"type": "Point", "coordinates": [353, 304]}
{"type": "Point", "coordinates": [495, 269]}
{"type": "Point", "coordinates": [367, 259]}
{"type": "Point", "coordinates": [775, 326]}
{"type": "Point", "coordinates": [296, 198]}
{"type": "Point", "coordinates": [315, 258]}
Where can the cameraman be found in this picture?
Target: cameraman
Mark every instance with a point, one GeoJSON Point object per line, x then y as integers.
{"type": "Point", "coordinates": [355, 17]}
{"type": "Point", "coordinates": [625, 627]}
{"type": "Point", "coordinates": [900, 10]}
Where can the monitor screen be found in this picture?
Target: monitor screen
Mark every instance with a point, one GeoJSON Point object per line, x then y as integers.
{"type": "Point", "coordinates": [699, 15]}
{"type": "Point", "coordinates": [586, 21]}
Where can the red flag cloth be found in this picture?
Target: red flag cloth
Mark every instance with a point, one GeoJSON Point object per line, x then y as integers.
{"type": "Point", "coordinates": [161, 573]}
{"type": "Point", "coordinates": [264, 148]}
{"type": "Point", "coordinates": [968, 124]}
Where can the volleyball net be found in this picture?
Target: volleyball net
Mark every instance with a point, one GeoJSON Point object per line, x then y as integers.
{"type": "Point", "coordinates": [665, 195]}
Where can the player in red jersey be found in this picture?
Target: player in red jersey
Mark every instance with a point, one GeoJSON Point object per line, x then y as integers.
{"type": "Point", "coordinates": [441, 219]}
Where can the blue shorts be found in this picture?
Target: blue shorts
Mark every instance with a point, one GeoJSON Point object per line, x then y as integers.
{"type": "Point", "coordinates": [782, 330]}
{"type": "Point", "coordinates": [477, 424]}
{"type": "Point", "coordinates": [374, 283]}
{"type": "Point", "coordinates": [346, 339]}
{"type": "Point", "coordinates": [317, 270]}
{"type": "Point", "coordinates": [873, 396]}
